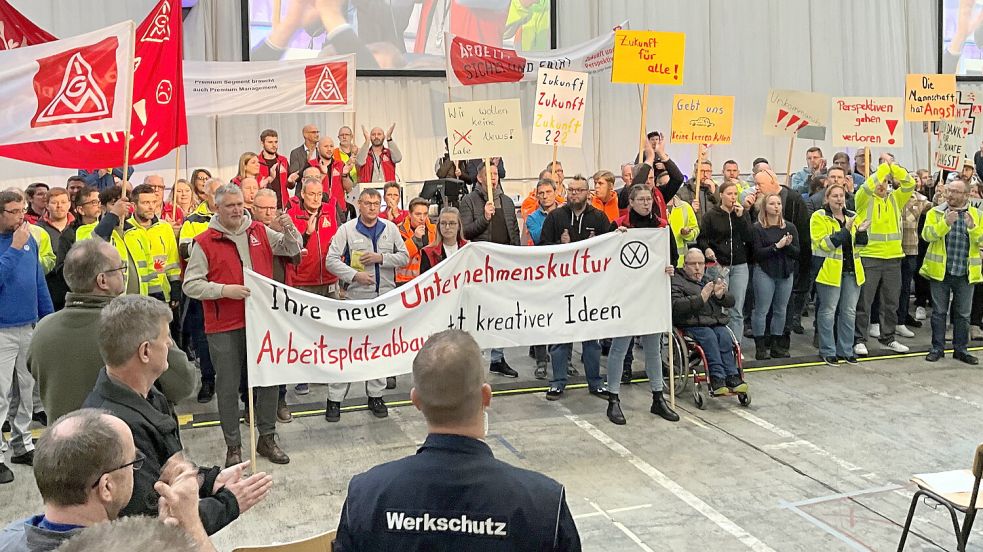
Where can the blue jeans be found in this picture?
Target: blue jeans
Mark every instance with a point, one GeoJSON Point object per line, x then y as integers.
{"type": "Point", "coordinates": [737, 282]}
{"type": "Point", "coordinates": [961, 293]}
{"type": "Point", "coordinates": [845, 298]}
{"type": "Point", "coordinates": [652, 345]}
{"type": "Point", "coordinates": [770, 294]}
{"type": "Point", "coordinates": [560, 355]}
{"type": "Point", "coordinates": [497, 355]}
{"type": "Point", "coordinates": [909, 267]}
{"type": "Point", "coordinates": [718, 347]}
{"type": "Point", "coordinates": [194, 323]}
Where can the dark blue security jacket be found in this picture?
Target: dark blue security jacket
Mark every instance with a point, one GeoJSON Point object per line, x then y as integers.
{"type": "Point", "coordinates": [454, 495]}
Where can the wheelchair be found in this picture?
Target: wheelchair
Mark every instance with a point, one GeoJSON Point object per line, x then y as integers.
{"type": "Point", "coordinates": [690, 366]}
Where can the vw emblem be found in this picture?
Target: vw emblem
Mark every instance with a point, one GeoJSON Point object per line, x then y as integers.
{"type": "Point", "coordinates": [634, 254]}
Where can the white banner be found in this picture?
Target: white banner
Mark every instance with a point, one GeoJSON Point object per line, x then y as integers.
{"type": "Point", "coordinates": [608, 286]}
{"type": "Point", "coordinates": [67, 88]}
{"type": "Point", "coordinates": [286, 86]}
{"type": "Point", "coordinates": [470, 63]}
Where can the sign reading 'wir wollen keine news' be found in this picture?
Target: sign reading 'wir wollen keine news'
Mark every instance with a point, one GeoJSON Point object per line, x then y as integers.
{"type": "Point", "coordinates": [868, 121]}
{"type": "Point", "coordinates": [648, 57]}
{"type": "Point", "coordinates": [561, 101]}
{"type": "Point", "coordinates": [611, 285]}
{"type": "Point", "coordinates": [485, 128]}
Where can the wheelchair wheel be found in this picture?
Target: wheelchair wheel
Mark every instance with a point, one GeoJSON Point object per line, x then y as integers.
{"type": "Point", "coordinates": [744, 399]}
{"type": "Point", "coordinates": [679, 363]}
{"type": "Point", "coordinates": [701, 402]}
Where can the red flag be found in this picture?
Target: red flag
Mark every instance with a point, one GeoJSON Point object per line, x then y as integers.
{"type": "Point", "coordinates": [17, 31]}
{"type": "Point", "coordinates": [158, 124]}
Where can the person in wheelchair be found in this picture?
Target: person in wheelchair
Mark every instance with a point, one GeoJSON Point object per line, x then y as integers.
{"type": "Point", "coordinates": [700, 309]}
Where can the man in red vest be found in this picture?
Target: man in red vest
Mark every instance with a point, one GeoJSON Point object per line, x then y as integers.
{"type": "Point", "coordinates": [214, 276]}
{"type": "Point", "coordinates": [274, 169]}
{"type": "Point", "coordinates": [377, 163]}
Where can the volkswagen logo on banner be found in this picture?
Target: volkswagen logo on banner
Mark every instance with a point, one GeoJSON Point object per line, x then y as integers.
{"type": "Point", "coordinates": [634, 254]}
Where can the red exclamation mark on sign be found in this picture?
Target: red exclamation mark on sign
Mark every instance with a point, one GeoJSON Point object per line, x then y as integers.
{"type": "Point", "coordinates": [791, 121]}
{"type": "Point", "coordinates": [892, 125]}
{"type": "Point", "coordinates": [802, 125]}
{"type": "Point", "coordinates": [781, 115]}
{"type": "Point", "coordinates": [675, 69]}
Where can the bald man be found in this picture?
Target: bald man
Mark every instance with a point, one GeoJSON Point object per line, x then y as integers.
{"type": "Point", "coordinates": [301, 155]}
{"type": "Point", "coordinates": [377, 158]}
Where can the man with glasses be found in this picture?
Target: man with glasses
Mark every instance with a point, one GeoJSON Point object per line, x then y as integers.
{"type": "Point", "coordinates": [346, 151]}
{"type": "Point", "coordinates": [575, 221]}
{"type": "Point", "coordinates": [95, 274]}
{"type": "Point", "coordinates": [25, 299]}
{"type": "Point", "coordinates": [134, 339]}
{"type": "Point", "coordinates": [301, 156]}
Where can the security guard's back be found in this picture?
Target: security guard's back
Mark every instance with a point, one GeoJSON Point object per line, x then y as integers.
{"type": "Point", "coordinates": [453, 494]}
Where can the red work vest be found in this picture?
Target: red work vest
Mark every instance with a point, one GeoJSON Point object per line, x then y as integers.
{"type": "Point", "coordinates": [388, 167]}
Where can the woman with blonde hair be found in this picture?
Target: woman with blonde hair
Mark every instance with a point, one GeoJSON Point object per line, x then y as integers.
{"type": "Point", "coordinates": [248, 166]}
{"type": "Point", "coordinates": [776, 253]}
{"type": "Point", "coordinates": [182, 196]}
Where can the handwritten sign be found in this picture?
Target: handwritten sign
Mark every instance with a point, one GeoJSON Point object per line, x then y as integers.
{"type": "Point", "coordinates": [648, 57]}
{"type": "Point", "coordinates": [486, 128]}
{"type": "Point", "coordinates": [789, 111]}
{"type": "Point", "coordinates": [930, 97]}
{"type": "Point", "coordinates": [698, 119]}
{"type": "Point", "coordinates": [561, 101]}
{"type": "Point", "coordinates": [867, 121]}
{"type": "Point", "coordinates": [952, 142]}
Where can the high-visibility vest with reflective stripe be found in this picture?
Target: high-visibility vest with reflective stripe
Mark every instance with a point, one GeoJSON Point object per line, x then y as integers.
{"type": "Point", "coordinates": [934, 233]}
{"type": "Point", "coordinates": [194, 224]}
{"type": "Point", "coordinates": [84, 232]}
{"type": "Point", "coordinates": [884, 214]}
{"type": "Point", "coordinates": [821, 227]}
{"type": "Point", "coordinates": [154, 251]}
{"type": "Point", "coordinates": [46, 255]}
{"type": "Point", "coordinates": [682, 216]}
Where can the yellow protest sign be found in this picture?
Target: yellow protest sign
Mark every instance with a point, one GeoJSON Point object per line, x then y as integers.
{"type": "Point", "coordinates": [698, 119]}
{"type": "Point", "coordinates": [648, 57]}
{"type": "Point", "coordinates": [930, 97]}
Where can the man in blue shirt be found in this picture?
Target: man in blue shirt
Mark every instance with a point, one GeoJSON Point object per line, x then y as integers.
{"type": "Point", "coordinates": [25, 299]}
{"type": "Point", "coordinates": [546, 196]}
{"type": "Point", "coordinates": [453, 494]}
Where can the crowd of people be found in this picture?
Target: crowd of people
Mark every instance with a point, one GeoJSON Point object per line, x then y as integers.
{"type": "Point", "coordinates": [157, 283]}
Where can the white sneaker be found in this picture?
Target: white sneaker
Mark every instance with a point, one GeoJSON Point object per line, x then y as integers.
{"type": "Point", "coordinates": [874, 331]}
{"type": "Point", "coordinates": [903, 331]}
{"type": "Point", "coordinates": [897, 347]}
{"type": "Point", "coordinates": [920, 313]}
{"type": "Point", "coordinates": [860, 349]}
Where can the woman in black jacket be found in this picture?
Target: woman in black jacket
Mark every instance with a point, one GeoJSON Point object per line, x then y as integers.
{"type": "Point", "coordinates": [776, 251]}
{"type": "Point", "coordinates": [725, 237]}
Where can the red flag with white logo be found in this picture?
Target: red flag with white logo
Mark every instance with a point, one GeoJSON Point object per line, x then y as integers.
{"type": "Point", "coordinates": [17, 31]}
{"type": "Point", "coordinates": [63, 88]}
{"type": "Point", "coordinates": [158, 123]}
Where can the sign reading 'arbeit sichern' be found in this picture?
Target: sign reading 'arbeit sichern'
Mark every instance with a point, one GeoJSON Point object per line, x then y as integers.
{"type": "Point", "coordinates": [868, 121]}
{"type": "Point", "coordinates": [503, 296]}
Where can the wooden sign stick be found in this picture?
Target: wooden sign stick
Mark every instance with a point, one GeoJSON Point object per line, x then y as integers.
{"type": "Point", "coordinates": [489, 189]}
{"type": "Point", "coordinates": [788, 165]}
{"type": "Point", "coordinates": [641, 132]}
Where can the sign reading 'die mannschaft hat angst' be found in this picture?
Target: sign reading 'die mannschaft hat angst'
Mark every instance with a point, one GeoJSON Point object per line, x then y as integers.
{"type": "Point", "coordinates": [860, 121]}
{"type": "Point", "coordinates": [648, 57]}
{"type": "Point", "coordinates": [930, 97]}
{"type": "Point", "coordinates": [561, 101]}
{"type": "Point", "coordinates": [700, 119]}
{"type": "Point", "coordinates": [485, 128]}
{"type": "Point", "coordinates": [792, 111]}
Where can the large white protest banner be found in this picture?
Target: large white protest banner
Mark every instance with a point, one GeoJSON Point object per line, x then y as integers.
{"type": "Point", "coordinates": [67, 88]}
{"type": "Point", "coordinates": [470, 63]}
{"type": "Point", "coordinates": [285, 86]}
{"type": "Point", "coordinates": [611, 285]}
{"type": "Point", "coordinates": [484, 128]}
{"type": "Point", "coordinates": [561, 101]}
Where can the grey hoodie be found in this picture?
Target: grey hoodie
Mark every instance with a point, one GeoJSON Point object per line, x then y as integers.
{"type": "Point", "coordinates": [196, 284]}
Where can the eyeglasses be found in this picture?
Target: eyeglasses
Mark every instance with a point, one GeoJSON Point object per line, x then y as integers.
{"type": "Point", "coordinates": [136, 464]}
{"type": "Point", "coordinates": [371, 203]}
{"type": "Point", "coordinates": [90, 202]}
{"type": "Point", "coordinates": [121, 269]}
{"type": "Point", "coordinates": [448, 223]}
{"type": "Point", "coordinates": [14, 212]}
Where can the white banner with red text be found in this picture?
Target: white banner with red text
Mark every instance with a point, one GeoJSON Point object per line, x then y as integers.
{"type": "Point", "coordinates": [67, 88]}
{"type": "Point", "coordinates": [285, 86]}
{"type": "Point", "coordinates": [608, 286]}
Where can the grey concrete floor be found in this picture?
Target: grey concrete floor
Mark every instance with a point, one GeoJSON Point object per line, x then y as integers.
{"type": "Point", "coordinates": [819, 461]}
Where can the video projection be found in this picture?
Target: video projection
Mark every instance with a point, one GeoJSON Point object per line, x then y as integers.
{"type": "Point", "coordinates": [961, 38]}
{"type": "Point", "coordinates": [391, 36]}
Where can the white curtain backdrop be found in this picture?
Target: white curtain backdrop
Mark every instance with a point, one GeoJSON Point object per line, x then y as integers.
{"type": "Point", "coordinates": [738, 47]}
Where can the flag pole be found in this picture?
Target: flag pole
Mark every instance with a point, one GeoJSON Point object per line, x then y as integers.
{"type": "Point", "coordinates": [788, 165]}
{"type": "Point", "coordinates": [129, 116]}
{"type": "Point", "coordinates": [252, 428]}
{"type": "Point", "coordinates": [177, 164]}
{"type": "Point", "coordinates": [641, 132]}
{"type": "Point", "coordinates": [488, 182]}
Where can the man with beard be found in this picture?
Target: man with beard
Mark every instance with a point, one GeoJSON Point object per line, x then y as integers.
{"type": "Point", "coordinates": [334, 173]}
{"type": "Point", "coordinates": [348, 150]}
{"type": "Point", "coordinates": [376, 162]}
{"type": "Point", "coordinates": [154, 249]}
{"type": "Point", "coordinates": [274, 168]}
{"type": "Point", "coordinates": [303, 153]}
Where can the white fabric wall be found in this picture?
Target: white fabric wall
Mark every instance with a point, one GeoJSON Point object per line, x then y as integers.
{"type": "Point", "coordinates": [737, 47]}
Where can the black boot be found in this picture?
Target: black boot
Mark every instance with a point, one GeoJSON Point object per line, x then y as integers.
{"type": "Point", "coordinates": [614, 410]}
{"type": "Point", "coordinates": [780, 345]}
{"type": "Point", "coordinates": [660, 408]}
{"type": "Point", "coordinates": [761, 344]}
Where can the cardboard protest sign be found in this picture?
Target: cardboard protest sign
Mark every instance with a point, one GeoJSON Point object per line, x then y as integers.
{"type": "Point", "coordinates": [867, 121]}
{"type": "Point", "coordinates": [930, 97]}
{"type": "Point", "coordinates": [503, 296]}
{"type": "Point", "coordinates": [648, 57]}
{"type": "Point", "coordinates": [561, 101]}
{"type": "Point", "coordinates": [699, 119]}
{"type": "Point", "coordinates": [485, 128]}
{"type": "Point", "coordinates": [952, 143]}
{"type": "Point", "coordinates": [790, 111]}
